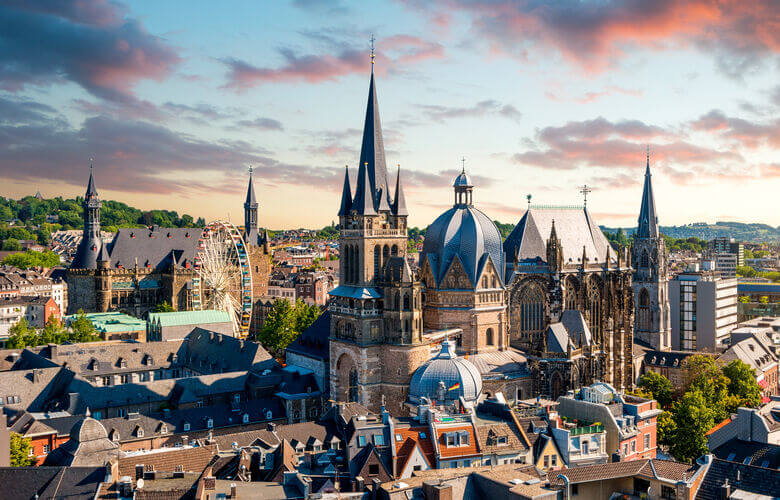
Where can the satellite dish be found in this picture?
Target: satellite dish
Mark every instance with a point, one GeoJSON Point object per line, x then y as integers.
{"type": "Point", "coordinates": [139, 483]}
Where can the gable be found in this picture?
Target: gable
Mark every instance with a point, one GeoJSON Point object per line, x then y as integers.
{"type": "Point", "coordinates": [456, 277]}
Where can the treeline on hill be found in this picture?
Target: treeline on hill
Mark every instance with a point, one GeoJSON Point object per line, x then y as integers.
{"type": "Point", "coordinates": [29, 217]}
{"type": "Point", "coordinates": [740, 231]}
{"type": "Point", "coordinates": [617, 238]}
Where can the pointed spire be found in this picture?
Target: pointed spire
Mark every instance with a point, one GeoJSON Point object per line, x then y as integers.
{"type": "Point", "coordinates": [648, 220]}
{"type": "Point", "coordinates": [91, 189]}
{"type": "Point", "coordinates": [103, 255]}
{"type": "Point", "coordinates": [346, 194]}
{"type": "Point", "coordinates": [250, 192]}
{"type": "Point", "coordinates": [399, 201]}
{"type": "Point", "coordinates": [553, 233]}
{"type": "Point", "coordinates": [363, 203]}
{"type": "Point", "coordinates": [372, 152]}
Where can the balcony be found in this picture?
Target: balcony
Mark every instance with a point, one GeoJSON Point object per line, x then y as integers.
{"type": "Point", "coordinates": [587, 429]}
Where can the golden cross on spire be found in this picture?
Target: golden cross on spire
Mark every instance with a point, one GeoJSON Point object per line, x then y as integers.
{"type": "Point", "coordinates": [250, 169]}
{"type": "Point", "coordinates": [463, 164]}
{"type": "Point", "coordinates": [585, 190]}
{"type": "Point", "coordinates": [371, 41]}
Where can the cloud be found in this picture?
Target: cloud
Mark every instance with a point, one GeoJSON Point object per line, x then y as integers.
{"type": "Point", "coordinates": [595, 35]}
{"type": "Point", "coordinates": [87, 42]}
{"type": "Point", "coordinates": [339, 60]}
{"type": "Point", "coordinates": [203, 111]}
{"type": "Point", "coordinates": [595, 95]}
{"type": "Point", "coordinates": [133, 156]}
{"type": "Point", "coordinates": [603, 143]}
{"type": "Point", "coordinates": [440, 113]}
{"type": "Point", "coordinates": [260, 124]}
{"type": "Point", "coordinates": [748, 134]}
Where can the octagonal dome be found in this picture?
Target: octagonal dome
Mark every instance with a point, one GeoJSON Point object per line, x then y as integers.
{"type": "Point", "coordinates": [445, 378]}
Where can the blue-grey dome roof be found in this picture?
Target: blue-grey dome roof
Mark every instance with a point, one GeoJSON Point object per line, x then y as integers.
{"type": "Point", "coordinates": [446, 370]}
{"type": "Point", "coordinates": [462, 179]}
{"type": "Point", "coordinates": [467, 233]}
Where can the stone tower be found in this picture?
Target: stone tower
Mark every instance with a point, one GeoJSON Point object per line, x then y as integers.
{"type": "Point", "coordinates": [375, 331]}
{"type": "Point", "coordinates": [91, 243]}
{"type": "Point", "coordinates": [257, 247]}
{"type": "Point", "coordinates": [650, 282]}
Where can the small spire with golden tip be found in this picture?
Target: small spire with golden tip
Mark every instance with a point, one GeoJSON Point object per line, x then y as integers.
{"type": "Point", "coordinates": [373, 56]}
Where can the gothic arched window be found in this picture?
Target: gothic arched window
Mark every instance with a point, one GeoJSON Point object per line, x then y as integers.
{"type": "Point", "coordinates": [570, 298]}
{"type": "Point", "coordinates": [530, 308]}
{"type": "Point", "coordinates": [644, 259]}
{"type": "Point", "coordinates": [643, 311]}
{"type": "Point", "coordinates": [594, 309]}
{"type": "Point", "coordinates": [406, 302]}
{"type": "Point", "coordinates": [352, 389]}
{"type": "Point", "coordinates": [394, 250]}
{"type": "Point", "coordinates": [377, 261]}
{"type": "Point", "coordinates": [385, 254]}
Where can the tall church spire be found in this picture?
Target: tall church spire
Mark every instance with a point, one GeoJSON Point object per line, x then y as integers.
{"type": "Point", "coordinates": [346, 195]}
{"type": "Point", "coordinates": [91, 189]}
{"type": "Point", "coordinates": [648, 221]}
{"type": "Point", "coordinates": [251, 234]}
{"type": "Point", "coordinates": [372, 153]}
{"type": "Point", "coordinates": [399, 200]}
{"type": "Point", "coordinates": [91, 242]}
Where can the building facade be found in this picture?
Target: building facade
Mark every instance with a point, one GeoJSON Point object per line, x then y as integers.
{"type": "Point", "coordinates": [650, 279]}
{"type": "Point", "coordinates": [703, 310]}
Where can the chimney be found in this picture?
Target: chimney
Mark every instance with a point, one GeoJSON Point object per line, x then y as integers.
{"type": "Point", "coordinates": [139, 471]}
{"type": "Point", "coordinates": [126, 487]}
{"type": "Point", "coordinates": [53, 351]}
{"type": "Point", "coordinates": [112, 469]}
{"type": "Point", "coordinates": [270, 427]}
{"type": "Point", "coordinates": [149, 472]}
{"type": "Point", "coordinates": [36, 376]}
{"type": "Point", "coordinates": [725, 490]}
{"type": "Point", "coordinates": [233, 490]}
{"type": "Point", "coordinates": [178, 471]}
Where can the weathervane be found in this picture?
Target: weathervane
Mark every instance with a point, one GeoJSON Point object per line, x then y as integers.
{"type": "Point", "coordinates": [585, 190]}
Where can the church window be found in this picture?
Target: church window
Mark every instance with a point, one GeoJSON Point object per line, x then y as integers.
{"type": "Point", "coordinates": [594, 309]}
{"type": "Point", "coordinates": [644, 260]}
{"type": "Point", "coordinates": [406, 302]}
{"type": "Point", "coordinates": [643, 311]}
{"type": "Point", "coordinates": [570, 300]}
{"type": "Point", "coordinates": [394, 250]}
{"type": "Point", "coordinates": [489, 336]}
{"type": "Point", "coordinates": [385, 255]}
{"type": "Point", "coordinates": [352, 390]}
{"type": "Point", "coordinates": [377, 261]}
{"type": "Point", "coordinates": [530, 308]}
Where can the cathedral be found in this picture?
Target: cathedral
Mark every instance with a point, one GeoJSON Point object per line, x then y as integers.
{"type": "Point", "coordinates": [546, 311]}
{"type": "Point", "coordinates": [141, 267]}
{"type": "Point", "coordinates": [651, 282]}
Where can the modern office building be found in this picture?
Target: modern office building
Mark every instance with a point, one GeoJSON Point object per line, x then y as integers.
{"type": "Point", "coordinates": [729, 245]}
{"type": "Point", "coordinates": [703, 310]}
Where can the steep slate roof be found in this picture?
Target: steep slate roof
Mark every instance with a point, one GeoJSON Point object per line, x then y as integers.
{"type": "Point", "coordinates": [313, 342]}
{"type": "Point", "coordinates": [33, 387]}
{"type": "Point", "coordinates": [158, 247]}
{"type": "Point", "coordinates": [752, 352]}
{"type": "Point", "coordinates": [510, 363]}
{"type": "Point", "coordinates": [575, 227]}
{"type": "Point", "coordinates": [73, 483]}
{"type": "Point", "coordinates": [647, 226]}
{"type": "Point", "coordinates": [752, 479]}
{"type": "Point", "coordinates": [88, 446]}
{"type": "Point", "coordinates": [758, 454]}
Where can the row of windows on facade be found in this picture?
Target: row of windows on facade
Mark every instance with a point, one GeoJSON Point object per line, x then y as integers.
{"type": "Point", "coordinates": [10, 400]}
{"type": "Point", "coordinates": [352, 261]}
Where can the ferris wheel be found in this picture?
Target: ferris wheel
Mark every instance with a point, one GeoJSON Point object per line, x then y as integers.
{"type": "Point", "coordinates": [223, 280]}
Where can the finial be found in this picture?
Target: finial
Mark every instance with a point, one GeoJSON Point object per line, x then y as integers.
{"type": "Point", "coordinates": [91, 160]}
{"type": "Point", "coordinates": [585, 190]}
{"type": "Point", "coordinates": [528, 197]}
{"type": "Point", "coordinates": [373, 56]}
{"type": "Point", "coordinates": [346, 166]}
{"type": "Point", "coordinates": [250, 170]}
{"type": "Point", "coordinates": [463, 165]}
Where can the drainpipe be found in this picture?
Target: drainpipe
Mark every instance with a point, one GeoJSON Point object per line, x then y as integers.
{"type": "Point", "coordinates": [568, 485]}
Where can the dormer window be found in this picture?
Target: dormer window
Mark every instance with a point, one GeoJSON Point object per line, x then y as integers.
{"type": "Point", "coordinates": [268, 415]}
{"type": "Point", "coordinates": [186, 426]}
{"type": "Point", "coordinates": [139, 432]}
{"type": "Point", "coordinates": [164, 429]}
{"type": "Point", "coordinates": [122, 363]}
{"type": "Point", "coordinates": [245, 418]}
{"type": "Point", "coordinates": [209, 423]}
{"type": "Point", "coordinates": [114, 435]}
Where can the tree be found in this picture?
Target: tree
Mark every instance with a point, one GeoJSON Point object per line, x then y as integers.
{"type": "Point", "coordinates": [52, 333]}
{"type": "Point", "coordinates": [744, 299]}
{"type": "Point", "coordinates": [82, 329]}
{"type": "Point", "coordinates": [764, 299]}
{"type": "Point", "coordinates": [702, 373]}
{"type": "Point", "coordinates": [163, 307]}
{"type": "Point", "coordinates": [21, 335]}
{"type": "Point", "coordinates": [742, 383]}
{"type": "Point", "coordinates": [279, 328]}
{"type": "Point", "coordinates": [746, 271]}
{"type": "Point", "coordinates": [30, 258]}
{"type": "Point", "coordinates": [693, 417]}
{"type": "Point", "coordinates": [659, 386]}
{"type": "Point", "coordinates": [11, 244]}
{"type": "Point", "coordinates": [20, 451]}
{"type": "Point", "coordinates": [666, 428]}
{"type": "Point", "coordinates": [305, 315]}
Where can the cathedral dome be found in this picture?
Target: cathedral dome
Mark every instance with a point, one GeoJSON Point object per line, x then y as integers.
{"type": "Point", "coordinates": [445, 378]}
{"type": "Point", "coordinates": [462, 180]}
{"type": "Point", "coordinates": [463, 232]}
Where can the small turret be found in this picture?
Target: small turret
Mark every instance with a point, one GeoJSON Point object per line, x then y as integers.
{"type": "Point", "coordinates": [346, 195]}
{"type": "Point", "coordinates": [399, 201]}
{"type": "Point", "coordinates": [554, 250]}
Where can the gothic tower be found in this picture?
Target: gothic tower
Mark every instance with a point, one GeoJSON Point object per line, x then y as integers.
{"type": "Point", "coordinates": [251, 235]}
{"type": "Point", "coordinates": [259, 256]}
{"type": "Point", "coordinates": [91, 243]}
{"type": "Point", "coordinates": [375, 329]}
{"type": "Point", "coordinates": [650, 282]}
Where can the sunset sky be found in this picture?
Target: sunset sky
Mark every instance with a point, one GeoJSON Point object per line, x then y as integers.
{"type": "Point", "coordinates": [174, 100]}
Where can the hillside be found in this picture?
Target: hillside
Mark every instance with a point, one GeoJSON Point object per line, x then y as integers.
{"type": "Point", "coordinates": [756, 233]}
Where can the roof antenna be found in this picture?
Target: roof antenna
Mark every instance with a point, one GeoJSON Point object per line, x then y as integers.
{"type": "Point", "coordinates": [373, 56]}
